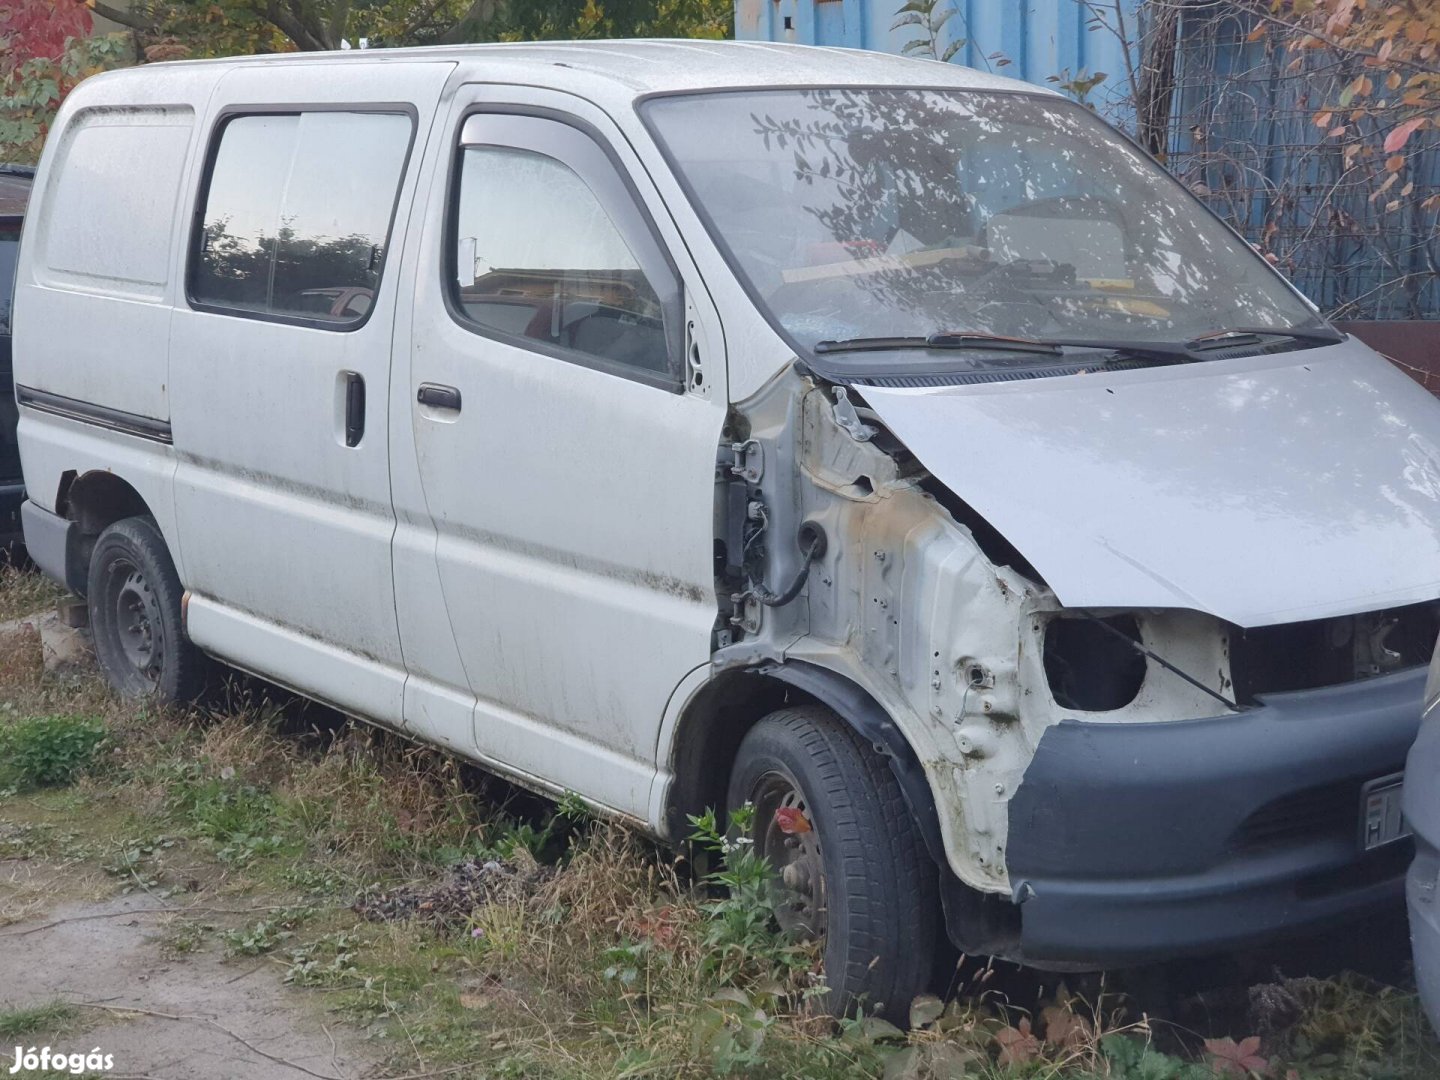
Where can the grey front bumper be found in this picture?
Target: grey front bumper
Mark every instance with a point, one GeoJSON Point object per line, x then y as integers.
{"type": "Point", "coordinates": [1138, 842]}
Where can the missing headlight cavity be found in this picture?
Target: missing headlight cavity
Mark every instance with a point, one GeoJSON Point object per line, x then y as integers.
{"type": "Point", "coordinates": [1088, 667]}
{"type": "Point", "coordinates": [1329, 652]}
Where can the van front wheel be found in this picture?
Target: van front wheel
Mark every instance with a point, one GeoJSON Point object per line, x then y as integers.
{"type": "Point", "coordinates": [830, 819]}
{"type": "Point", "coordinates": [134, 599]}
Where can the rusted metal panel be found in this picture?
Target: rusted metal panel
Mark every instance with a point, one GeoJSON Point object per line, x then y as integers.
{"type": "Point", "coordinates": [1412, 346]}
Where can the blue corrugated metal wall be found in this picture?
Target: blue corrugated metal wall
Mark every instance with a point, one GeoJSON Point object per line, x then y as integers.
{"type": "Point", "coordinates": [1024, 40]}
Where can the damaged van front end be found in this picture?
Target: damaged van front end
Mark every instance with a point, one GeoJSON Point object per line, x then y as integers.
{"type": "Point", "coordinates": [1143, 604]}
{"type": "Point", "coordinates": [1125, 778]}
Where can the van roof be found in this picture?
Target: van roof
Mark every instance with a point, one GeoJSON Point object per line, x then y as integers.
{"type": "Point", "coordinates": [644, 66]}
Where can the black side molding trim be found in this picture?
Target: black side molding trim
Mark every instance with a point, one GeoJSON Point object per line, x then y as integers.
{"type": "Point", "coordinates": [87, 412]}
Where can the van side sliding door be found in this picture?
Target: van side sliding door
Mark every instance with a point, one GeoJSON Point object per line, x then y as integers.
{"type": "Point", "coordinates": [563, 450]}
{"type": "Point", "coordinates": [280, 371]}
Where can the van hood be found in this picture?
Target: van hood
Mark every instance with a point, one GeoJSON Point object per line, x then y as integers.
{"type": "Point", "coordinates": [1262, 490]}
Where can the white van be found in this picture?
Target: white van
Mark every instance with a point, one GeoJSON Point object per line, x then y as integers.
{"type": "Point", "coordinates": [691, 424]}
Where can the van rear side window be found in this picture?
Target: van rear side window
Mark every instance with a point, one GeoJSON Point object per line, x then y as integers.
{"type": "Point", "coordinates": [297, 215]}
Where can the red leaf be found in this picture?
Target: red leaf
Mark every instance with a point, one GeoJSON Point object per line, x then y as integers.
{"type": "Point", "coordinates": [40, 28]}
{"type": "Point", "coordinates": [1401, 133]}
{"type": "Point", "coordinates": [792, 822]}
{"type": "Point", "coordinates": [1227, 1058]}
{"type": "Point", "coordinates": [1017, 1044]}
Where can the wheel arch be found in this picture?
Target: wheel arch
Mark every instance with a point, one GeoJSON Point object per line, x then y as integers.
{"type": "Point", "coordinates": [93, 501]}
{"type": "Point", "coordinates": [715, 720]}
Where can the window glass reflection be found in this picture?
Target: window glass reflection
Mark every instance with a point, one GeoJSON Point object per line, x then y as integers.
{"type": "Point", "coordinates": [298, 213]}
{"type": "Point", "coordinates": [906, 213]}
{"type": "Point", "coordinates": [538, 257]}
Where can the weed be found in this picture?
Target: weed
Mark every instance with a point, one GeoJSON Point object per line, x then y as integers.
{"type": "Point", "coordinates": [43, 751]}
{"type": "Point", "coordinates": [50, 1018]}
{"type": "Point", "coordinates": [742, 937]}
{"type": "Point", "coordinates": [137, 862]}
{"type": "Point", "coordinates": [327, 961]}
{"type": "Point", "coordinates": [1133, 1059]}
{"type": "Point", "coordinates": [243, 820]}
{"type": "Point", "coordinates": [266, 934]}
{"type": "Point", "coordinates": [25, 591]}
{"type": "Point", "coordinates": [184, 936]}
{"type": "Point", "coordinates": [573, 808]}
{"type": "Point", "coordinates": [313, 881]}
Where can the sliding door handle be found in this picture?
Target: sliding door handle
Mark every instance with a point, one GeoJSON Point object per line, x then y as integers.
{"type": "Point", "coordinates": [437, 396]}
{"type": "Point", "coordinates": [354, 408]}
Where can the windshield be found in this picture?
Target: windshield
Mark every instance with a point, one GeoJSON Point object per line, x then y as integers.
{"type": "Point", "coordinates": [905, 213]}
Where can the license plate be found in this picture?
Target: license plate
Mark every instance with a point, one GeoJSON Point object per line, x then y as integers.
{"type": "Point", "coordinates": [1381, 819]}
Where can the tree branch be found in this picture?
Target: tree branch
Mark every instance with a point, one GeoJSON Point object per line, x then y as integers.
{"type": "Point", "coordinates": [339, 21]}
{"type": "Point", "coordinates": [288, 24]}
{"type": "Point", "coordinates": [134, 20]}
{"type": "Point", "coordinates": [477, 14]}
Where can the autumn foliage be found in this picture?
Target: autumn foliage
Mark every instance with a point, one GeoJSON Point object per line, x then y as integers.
{"type": "Point", "coordinates": [1397, 91]}
{"type": "Point", "coordinates": [46, 48]}
{"type": "Point", "coordinates": [33, 30]}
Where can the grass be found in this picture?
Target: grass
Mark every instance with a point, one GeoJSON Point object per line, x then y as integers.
{"type": "Point", "coordinates": [24, 592]}
{"type": "Point", "coordinates": [50, 1018]}
{"type": "Point", "coordinates": [592, 955]}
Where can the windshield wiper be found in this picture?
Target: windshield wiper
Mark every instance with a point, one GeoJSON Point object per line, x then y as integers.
{"type": "Point", "coordinates": [1174, 352]}
{"type": "Point", "coordinates": [1196, 348]}
{"type": "Point", "coordinates": [1318, 336]}
{"type": "Point", "coordinates": [944, 340]}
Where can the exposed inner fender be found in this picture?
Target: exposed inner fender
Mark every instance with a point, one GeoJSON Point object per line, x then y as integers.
{"type": "Point", "coordinates": [860, 710]}
{"type": "Point", "coordinates": [977, 923]}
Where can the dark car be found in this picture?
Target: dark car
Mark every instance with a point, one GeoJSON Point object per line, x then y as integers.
{"type": "Point", "coordinates": [1422, 813]}
{"type": "Point", "coordinates": [15, 182]}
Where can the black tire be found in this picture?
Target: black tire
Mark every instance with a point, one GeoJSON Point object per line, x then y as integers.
{"type": "Point", "coordinates": [134, 599]}
{"type": "Point", "coordinates": [879, 909]}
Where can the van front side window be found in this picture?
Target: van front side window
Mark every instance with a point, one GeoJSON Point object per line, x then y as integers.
{"type": "Point", "coordinates": [538, 258]}
{"type": "Point", "coordinates": [297, 215]}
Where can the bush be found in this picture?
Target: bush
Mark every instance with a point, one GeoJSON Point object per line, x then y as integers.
{"type": "Point", "coordinates": [41, 751]}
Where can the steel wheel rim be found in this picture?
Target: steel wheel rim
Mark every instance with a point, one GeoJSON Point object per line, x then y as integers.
{"type": "Point", "coordinates": [795, 857]}
{"type": "Point", "coordinates": [139, 626]}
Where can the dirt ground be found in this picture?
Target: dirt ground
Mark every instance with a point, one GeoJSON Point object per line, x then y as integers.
{"type": "Point", "coordinates": [161, 1015]}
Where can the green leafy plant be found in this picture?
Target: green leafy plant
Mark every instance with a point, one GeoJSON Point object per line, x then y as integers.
{"type": "Point", "coordinates": [731, 1031]}
{"type": "Point", "coordinates": [32, 87]}
{"type": "Point", "coordinates": [242, 819]}
{"type": "Point", "coordinates": [44, 751]}
{"type": "Point", "coordinates": [742, 937]}
{"type": "Point", "coordinates": [266, 934]}
{"type": "Point", "coordinates": [625, 963]}
{"type": "Point", "coordinates": [327, 961]}
{"type": "Point", "coordinates": [1078, 85]}
{"type": "Point", "coordinates": [138, 863]}
{"type": "Point", "coordinates": [1132, 1059]}
{"type": "Point", "coordinates": [929, 18]}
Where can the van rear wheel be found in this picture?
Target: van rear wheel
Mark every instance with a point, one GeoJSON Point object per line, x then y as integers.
{"type": "Point", "coordinates": [830, 819]}
{"type": "Point", "coordinates": [134, 599]}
